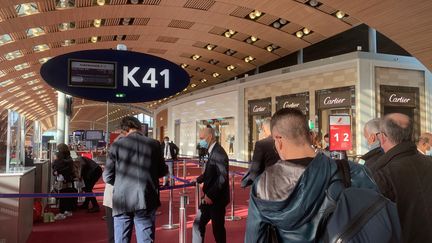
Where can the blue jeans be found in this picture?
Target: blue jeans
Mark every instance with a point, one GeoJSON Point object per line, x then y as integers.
{"type": "Point", "coordinates": [170, 171]}
{"type": "Point", "coordinates": [144, 221]}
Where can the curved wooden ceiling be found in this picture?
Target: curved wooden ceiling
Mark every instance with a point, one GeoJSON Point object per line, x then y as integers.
{"type": "Point", "coordinates": [172, 29]}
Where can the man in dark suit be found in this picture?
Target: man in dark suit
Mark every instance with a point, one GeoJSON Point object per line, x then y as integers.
{"type": "Point", "coordinates": [216, 190]}
{"type": "Point", "coordinates": [264, 155]}
{"type": "Point", "coordinates": [133, 167]}
{"type": "Point", "coordinates": [169, 152]}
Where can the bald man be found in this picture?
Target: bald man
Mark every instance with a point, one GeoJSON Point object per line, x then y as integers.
{"type": "Point", "coordinates": [424, 144]}
{"type": "Point", "coordinates": [404, 176]}
{"type": "Point", "coordinates": [216, 190]}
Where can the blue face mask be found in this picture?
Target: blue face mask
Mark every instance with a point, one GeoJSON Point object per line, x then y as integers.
{"type": "Point", "coordinates": [203, 143]}
{"type": "Point", "coordinates": [375, 145]}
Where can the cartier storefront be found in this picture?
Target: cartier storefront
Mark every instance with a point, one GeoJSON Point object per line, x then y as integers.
{"type": "Point", "coordinates": [400, 99]}
{"type": "Point", "coordinates": [258, 111]}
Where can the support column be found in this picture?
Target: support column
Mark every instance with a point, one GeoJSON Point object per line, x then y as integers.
{"type": "Point", "coordinates": [66, 129]}
{"type": "Point", "coordinates": [372, 40]}
{"type": "Point", "coordinates": [61, 98]}
{"type": "Point", "coordinates": [300, 56]}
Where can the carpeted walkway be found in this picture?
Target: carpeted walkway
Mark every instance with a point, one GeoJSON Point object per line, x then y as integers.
{"type": "Point", "coordinates": [86, 227]}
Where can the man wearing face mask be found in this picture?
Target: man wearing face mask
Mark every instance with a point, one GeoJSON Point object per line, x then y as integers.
{"type": "Point", "coordinates": [370, 131]}
{"type": "Point", "coordinates": [169, 152]}
{"type": "Point", "coordinates": [216, 190]}
{"type": "Point", "coordinates": [423, 144]}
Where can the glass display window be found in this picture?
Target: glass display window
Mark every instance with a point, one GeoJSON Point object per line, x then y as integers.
{"type": "Point", "coordinates": [224, 131]}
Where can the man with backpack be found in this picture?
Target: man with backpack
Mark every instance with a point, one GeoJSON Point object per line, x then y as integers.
{"type": "Point", "coordinates": [404, 176]}
{"type": "Point", "coordinates": [307, 208]}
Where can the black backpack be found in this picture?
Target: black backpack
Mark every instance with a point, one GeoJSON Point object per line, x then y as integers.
{"type": "Point", "coordinates": [358, 215]}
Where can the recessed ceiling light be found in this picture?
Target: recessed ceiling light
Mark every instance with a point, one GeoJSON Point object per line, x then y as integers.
{"type": "Point", "coordinates": [94, 39]}
{"type": "Point", "coordinates": [230, 52]}
{"type": "Point", "coordinates": [2, 74]}
{"type": "Point", "coordinates": [193, 85]}
{"type": "Point", "coordinates": [22, 66]}
{"type": "Point", "coordinates": [196, 57]}
{"type": "Point", "coordinates": [299, 34]}
{"type": "Point", "coordinates": [230, 67]}
{"type": "Point", "coordinates": [184, 65]}
{"type": "Point", "coordinates": [249, 59]}
{"type": "Point", "coordinates": [340, 14]}
{"type": "Point", "coordinates": [66, 26]}
{"type": "Point", "coordinates": [13, 55]}
{"type": "Point", "coordinates": [65, 4]}
{"type": "Point", "coordinates": [213, 61]}
{"type": "Point", "coordinates": [203, 80]}
{"type": "Point", "coordinates": [97, 23]}
{"type": "Point", "coordinates": [7, 82]}
{"type": "Point", "coordinates": [306, 31]}
{"type": "Point", "coordinates": [210, 47]}
{"type": "Point", "coordinates": [313, 3]}
{"type": "Point", "coordinates": [100, 2]}
{"type": "Point", "coordinates": [229, 33]}
{"type": "Point", "coordinates": [68, 42]}
{"type": "Point", "coordinates": [215, 75]}
{"type": "Point", "coordinates": [4, 39]}
{"type": "Point", "coordinates": [44, 60]}
{"type": "Point", "coordinates": [28, 75]}
{"type": "Point", "coordinates": [40, 48]}
{"type": "Point", "coordinates": [26, 9]}
{"type": "Point", "coordinates": [254, 15]}
{"type": "Point", "coordinates": [34, 32]}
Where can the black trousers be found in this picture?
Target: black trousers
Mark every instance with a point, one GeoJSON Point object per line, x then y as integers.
{"type": "Point", "coordinates": [215, 213]}
{"type": "Point", "coordinates": [110, 224]}
{"type": "Point", "coordinates": [67, 203]}
{"type": "Point", "coordinates": [89, 184]}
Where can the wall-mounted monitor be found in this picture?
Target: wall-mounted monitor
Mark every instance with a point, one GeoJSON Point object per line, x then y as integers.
{"type": "Point", "coordinates": [94, 135]}
{"type": "Point", "coordinates": [92, 74]}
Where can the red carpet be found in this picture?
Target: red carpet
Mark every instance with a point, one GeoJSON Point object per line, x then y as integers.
{"type": "Point", "coordinates": [86, 227]}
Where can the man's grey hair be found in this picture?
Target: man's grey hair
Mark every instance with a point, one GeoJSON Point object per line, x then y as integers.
{"type": "Point", "coordinates": [397, 131]}
{"type": "Point", "coordinates": [266, 123]}
{"type": "Point", "coordinates": [373, 126]}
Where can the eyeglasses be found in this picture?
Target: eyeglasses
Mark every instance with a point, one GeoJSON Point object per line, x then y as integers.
{"type": "Point", "coordinates": [376, 134]}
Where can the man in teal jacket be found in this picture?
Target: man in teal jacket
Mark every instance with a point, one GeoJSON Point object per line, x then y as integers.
{"type": "Point", "coordinates": [289, 198]}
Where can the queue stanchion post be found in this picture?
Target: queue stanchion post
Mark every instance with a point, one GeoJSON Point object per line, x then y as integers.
{"type": "Point", "coordinates": [170, 224]}
{"type": "Point", "coordinates": [232, 217]}
{"type": "Point", "coordinates": [197, 196]}
{"type": "Point", "coordinates": [178, 168]}
{"type": "Point", "coordinates": [184, 200]}
{"type": "Point", "coordinates": [184, 177]}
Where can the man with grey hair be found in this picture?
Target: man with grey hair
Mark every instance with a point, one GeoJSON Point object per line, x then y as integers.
{"type": "Point", "coordinates": [370, 132]}
{"type": "Point", "coordinates": [404, 176]}
{"type": "Point", "coordinates": [216, 190]}
{"type": "Point", "coordinates": [264, 155]}
{"type": "Point", "coordinates": [424, 144]}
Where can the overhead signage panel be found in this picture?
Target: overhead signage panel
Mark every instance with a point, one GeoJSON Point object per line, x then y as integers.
{"type": "Point", "coordinates": [114, 76]}
{"type": "Point", "coordinates": [340, 132]}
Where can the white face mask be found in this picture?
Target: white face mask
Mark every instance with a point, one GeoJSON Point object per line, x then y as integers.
{"type": "Point", "coordinates": [375, 145]}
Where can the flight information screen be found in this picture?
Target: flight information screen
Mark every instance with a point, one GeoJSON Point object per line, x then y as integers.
{"type": "Point", "coordinates": [93, 74]}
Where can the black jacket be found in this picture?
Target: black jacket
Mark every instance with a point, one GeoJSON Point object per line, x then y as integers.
{"type": "Point", "coordinates": [372, 157]}
{"type": "Point", "coordinates": [134, 166]}
{"type": "Point", "coordinates": [404, 176]}
{"type": "Point", "coordinates": [264, 156]}
{"type": "Point", "coordinates": [65, 167]}
{"type": "Point", "coordinates": [174, 150]}
{"type": "Point", "coordinates": [215, 177]}
{"type": "Point", "coordinates": [88, 167]}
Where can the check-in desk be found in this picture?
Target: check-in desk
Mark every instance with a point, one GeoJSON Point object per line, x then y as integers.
{"type": "Point", "coordinates": [16, 214]}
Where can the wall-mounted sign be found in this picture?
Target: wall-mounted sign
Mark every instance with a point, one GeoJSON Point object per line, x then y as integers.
{"type": "Point", "coordinates": [340, 132]}
{"type": "Point", "coordinates": [260, 107]}
{"type": "Point", "coordinates": [292, 101]}
{"type": "Point", "coordinates": [334, 99]}
{"type": "Point", "coordinates": [398, 99]}
{"type": "Point", "coordinates": [114, 76]}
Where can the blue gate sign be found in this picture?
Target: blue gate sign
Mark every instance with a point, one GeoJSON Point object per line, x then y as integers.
{"type": "Point", "coordinates": [114, 76]}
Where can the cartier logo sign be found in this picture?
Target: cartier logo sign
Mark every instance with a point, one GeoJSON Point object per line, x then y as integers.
{"type": "Point", "coordinates": [297, 101]}
{"type": "Point", "coordinates": [260, 107]}
{"type": "Point", "coordinates": [257, 109]}
{"type": "Point", "coordinates": [335, 99]}
{"type": "Point", "coordinates": [399, 99]}
{"type": "Point", "coordinates": [288, 104]}
{"type": "Point", "coordinates": [395, 99]}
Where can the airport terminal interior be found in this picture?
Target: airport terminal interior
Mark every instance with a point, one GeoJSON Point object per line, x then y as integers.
{"type": "Point", "coordinates": [71, 71]}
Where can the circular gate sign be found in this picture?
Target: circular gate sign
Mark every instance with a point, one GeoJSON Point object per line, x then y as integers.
{"type": "Point", "coordinates": [114, 76]}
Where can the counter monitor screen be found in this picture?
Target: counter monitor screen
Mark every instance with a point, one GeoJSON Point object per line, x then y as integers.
{"type": "Point", "coordinates": [94, 135]}
{"type": "Point", "coordinates": [92, 74]}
